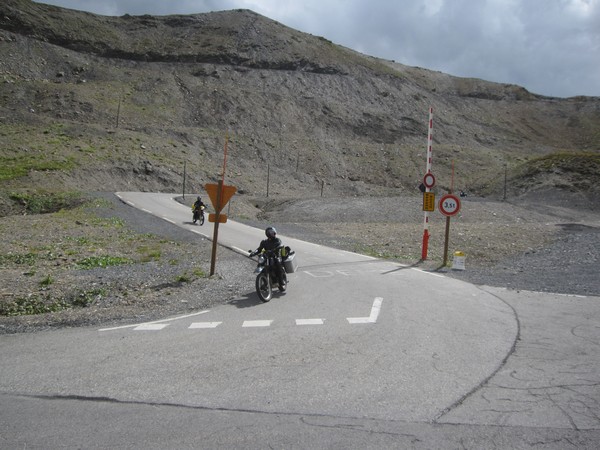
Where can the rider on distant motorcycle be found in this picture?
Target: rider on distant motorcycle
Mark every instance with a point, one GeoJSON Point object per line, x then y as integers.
{"type": "Point", "coordinates": [271, 243]}
{"type": "Point", "coordinates": [197, 210]}
{"type": "Point", "coordinates": [198, 203]}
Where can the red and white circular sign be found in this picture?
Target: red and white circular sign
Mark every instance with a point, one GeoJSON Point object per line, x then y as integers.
{"type": "Point", "coordinates": [429, 180]}
{"type": "Point", "coordinates": [449, 205]}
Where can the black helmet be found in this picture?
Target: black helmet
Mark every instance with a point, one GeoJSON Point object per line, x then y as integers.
{"type": "Point", "coordinates": [271, 232]}
{"type": "Point", "coordinates": [199, 199]}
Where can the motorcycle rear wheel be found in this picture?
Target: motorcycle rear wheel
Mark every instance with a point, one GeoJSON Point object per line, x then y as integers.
{"type": "Point", "coordinates": [263, 287]}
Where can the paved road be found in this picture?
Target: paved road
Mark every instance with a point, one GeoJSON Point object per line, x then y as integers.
{"type": "Point", "coordinates": [359, 353]}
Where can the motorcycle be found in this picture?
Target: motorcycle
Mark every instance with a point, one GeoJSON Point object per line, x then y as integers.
{"type": "Point", "coordinates": [266, 270]}
{"type": "Point", "coordinates": [198, 214]}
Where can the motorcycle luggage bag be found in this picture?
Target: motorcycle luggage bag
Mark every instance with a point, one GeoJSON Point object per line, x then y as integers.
{"type": "Point", "coordinates": [290, 264]}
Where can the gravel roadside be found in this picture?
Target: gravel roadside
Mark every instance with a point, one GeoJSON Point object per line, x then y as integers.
{"type": "Point", "coordinates": [557, 254]}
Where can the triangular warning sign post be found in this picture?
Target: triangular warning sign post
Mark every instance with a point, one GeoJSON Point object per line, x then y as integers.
{"type": "Point", "coordinates": [219, 199]}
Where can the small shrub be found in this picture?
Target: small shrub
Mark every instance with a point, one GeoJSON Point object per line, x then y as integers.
{"type": "Point", "coordinates": [183, 278]}
{"type": "Point", "coordinates": [199, 273]}
{"type": "Point", "coordinates": [47, 281]}
{"type": "Point", "coordinates": [83, 299]}
{"type": "Point", "coordinates": [93, 262]}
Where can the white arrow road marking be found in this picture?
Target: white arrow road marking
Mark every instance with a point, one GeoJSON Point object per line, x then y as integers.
{"type": "Point", "coordinates": [256, 323]}
{"type": "Point", "coordinates": [205, 324]}
{"type": "Point", "coordinates": [309, 321]}
{"type": "Point", "coordinates": [374, 313]}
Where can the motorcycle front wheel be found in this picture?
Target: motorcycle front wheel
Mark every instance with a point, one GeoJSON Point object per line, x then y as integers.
{"type": "Point", "coordinates": [263, 287]}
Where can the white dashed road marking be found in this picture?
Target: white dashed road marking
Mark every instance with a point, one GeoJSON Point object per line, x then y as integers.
{"type": "Point", "coordinates": [205, 325]}
{"type": "Point", "coordinates": [310, 321]}
{"type": "Point", "coordinates": [160, 324]}
{"type": "Point", "coordinates": [151, 327]}
{"type": "Point", "coordinates": [256, 323]}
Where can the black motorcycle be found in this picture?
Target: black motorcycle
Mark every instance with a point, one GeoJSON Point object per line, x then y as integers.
{"type": "Point", "coordinates": [269, 264]}
{"type": "Point", "coordinates": [198, 215]}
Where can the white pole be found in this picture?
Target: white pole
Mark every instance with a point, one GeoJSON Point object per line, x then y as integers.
{"type": "Point", "coordinates": [428, 170]}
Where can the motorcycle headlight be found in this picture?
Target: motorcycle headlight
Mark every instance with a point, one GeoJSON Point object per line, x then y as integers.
{"type": "Point", "coordinates": [261, 259]}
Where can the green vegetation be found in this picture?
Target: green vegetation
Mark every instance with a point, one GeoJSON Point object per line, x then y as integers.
{"type": "Point", "coordinates": [586, 164]}
{"type": "Point", "coordinates": [183, 278]}
{"type": "Point", "coordinates": [92, 262]}
{"type": "Point", "coordinates": [42, 202]}
{"type": "Point", "coordinates": [27, 259]}
{"type": "Point", "coordinates": [47, 281]}
{"type": "Point", "coordinates": [32, 304]}
{"type": "Point", "coordinates": [81, 235]}
{"type": "Point", "coordinates": [83, 299]}
{"type": "Point", "coordinates": [187, 278]}
{"type": "Point", "coordinates": [149, 252]}
{"type": "Point", "coordinates": [36, 304]}
{"type": "Point", "coordinates": [20, 166]}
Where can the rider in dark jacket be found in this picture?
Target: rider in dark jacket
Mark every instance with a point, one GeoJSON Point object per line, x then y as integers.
{"type": "Point", "coordinates": [197, 210]}
{"type": "Point", "coordinates": [198, 203]}
{"type": "Point", "coordinates": [271, 243]}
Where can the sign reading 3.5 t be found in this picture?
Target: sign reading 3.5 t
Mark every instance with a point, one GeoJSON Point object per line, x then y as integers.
{"type": "Point", "coordinates": [449, 205]}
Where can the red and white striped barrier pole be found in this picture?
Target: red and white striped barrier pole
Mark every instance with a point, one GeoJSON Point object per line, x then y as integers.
{"type": "Point", "coordinates": [428, 170]}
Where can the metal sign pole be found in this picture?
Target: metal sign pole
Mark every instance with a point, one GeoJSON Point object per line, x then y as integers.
{"type": "Point", "coordinates": [446, 239]}
{"type": "Point", "coordinates": [213, 256]}
{"type": "Point", "coordinates": [218, 207]}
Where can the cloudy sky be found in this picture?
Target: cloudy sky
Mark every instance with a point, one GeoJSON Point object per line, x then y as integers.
{"type": "Point", "coordinates": [550, 47]}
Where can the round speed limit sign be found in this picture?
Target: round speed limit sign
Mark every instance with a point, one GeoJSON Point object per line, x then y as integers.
{"type": "Point", "coordinates": [449, 205]}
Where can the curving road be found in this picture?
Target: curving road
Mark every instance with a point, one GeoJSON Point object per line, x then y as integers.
{"type": "Point", "coordinates": [359, 353]}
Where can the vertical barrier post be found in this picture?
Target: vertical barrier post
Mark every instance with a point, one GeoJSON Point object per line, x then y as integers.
{"type": "Point", "coordinates": [428, 170]}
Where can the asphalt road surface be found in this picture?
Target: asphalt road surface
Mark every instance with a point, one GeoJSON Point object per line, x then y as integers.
{"type": "Point", "coordinates": [358, 353]}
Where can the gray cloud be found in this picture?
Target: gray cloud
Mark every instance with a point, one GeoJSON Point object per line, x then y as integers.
{"type": "Point", "coordinates": [550, 47]}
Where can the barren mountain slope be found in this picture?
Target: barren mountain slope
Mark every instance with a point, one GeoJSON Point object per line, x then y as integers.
{"type": "Point", "coordinates": [123, 102]}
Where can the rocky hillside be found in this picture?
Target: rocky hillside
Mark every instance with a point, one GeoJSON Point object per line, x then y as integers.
{"type": "Point", "coordinates": [90, 102]}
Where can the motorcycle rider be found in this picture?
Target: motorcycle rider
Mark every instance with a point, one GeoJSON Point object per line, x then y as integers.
{"type": "Point", "coordinates": [272, 243]}
{"type": "Point", "coordinates": [198, 206]}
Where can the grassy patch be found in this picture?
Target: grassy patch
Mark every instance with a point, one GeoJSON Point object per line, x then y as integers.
{"type": "Point", "coordinates": [149, 252]}
{"type": "Point", "coordinates": [20, 166]}
{"type": "Point", "coordinates": [183, 278]}
{"type": "Point", "coordinates": [35, 304]}
{"type": "Point", "coordinates": [42, 202]}
{"type": "Point", "coordinates": [46, 281]}
{"type": "Point", "coordinates": [30, 305]}
{"type": "Point", "coordinates": [586, 164]}
{"type": "Point", "coordinates": [22, 259]}
{"type": "Point", "coordinates": [93, 262]}
{"type": "Point", "coordinates": [187, 277]}
{"type": "Point", "coordinates": [83, 299]}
